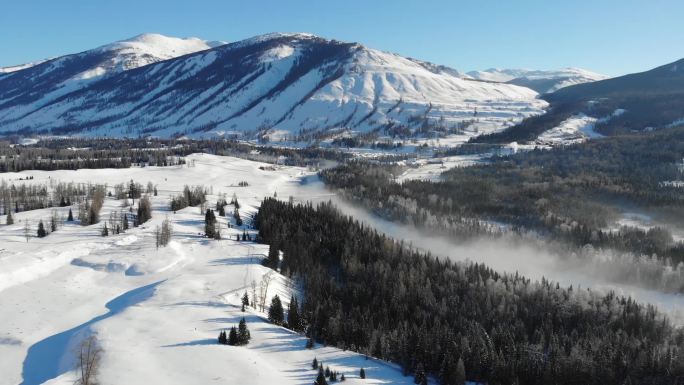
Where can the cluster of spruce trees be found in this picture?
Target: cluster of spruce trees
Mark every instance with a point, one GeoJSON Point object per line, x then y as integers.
{"type": "Point", "coordinates": [236, 336]}
{"type": "Point", "coordinates": [368, 293]}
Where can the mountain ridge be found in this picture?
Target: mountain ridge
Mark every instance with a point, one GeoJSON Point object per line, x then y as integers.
{"type": "Point", "coordinates": [281, 85]}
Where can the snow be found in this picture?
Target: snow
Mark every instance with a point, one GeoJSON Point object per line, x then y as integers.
{"type": "Point", "coordinates": [164, 307]}
{"type": "Point", "coordinates": [376, 88]}
{"type": "Point", "coordinates": [575, 129]}
{"type": "Point", "coordinates": [563, 78]}
{"type": "Point", "coordinates": [159, 46]}
{"type": "Point", "coordinates": [6, 70]}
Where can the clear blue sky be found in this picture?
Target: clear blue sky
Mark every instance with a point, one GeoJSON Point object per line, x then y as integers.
{"type": "Point", "coordinates": [609, 36]}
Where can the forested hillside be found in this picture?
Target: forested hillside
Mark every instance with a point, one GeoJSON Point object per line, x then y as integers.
{"type": "Point", "coordinates": [368, 293]}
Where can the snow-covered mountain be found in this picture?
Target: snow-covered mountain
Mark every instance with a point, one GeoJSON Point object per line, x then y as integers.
{"type": "Point", "coordinates": [285, 84]}
{"type": "Point", "coordinates": [5, 70]}
{"type": "Point", "coordinates": [541, 81]}
{"type": "Point", "coordinates": [37, 85]}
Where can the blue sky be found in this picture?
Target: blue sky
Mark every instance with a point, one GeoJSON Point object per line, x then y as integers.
{"type": "Point", "coordinates": [612, 37]}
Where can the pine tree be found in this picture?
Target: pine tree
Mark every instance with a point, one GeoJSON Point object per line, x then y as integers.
{"type": "Point", "coordinates": [10, 218]}
{"type": "Point", "coordinates": [275, 311]}
{"type": "Point", "coordinates": [314, 363]}
{"type": "Point", "coordinates": [236, 215]}
{"type": "Point", "coordinates": [222, 338]}
{"type": "Point", "coordinates": [124, 222]}
{"type": "Point", "coordinates": [320, 379]}
{"type": "Point", "coordinates": [70, 218]}
{"type": "Point", "coordinates": [362, 373]}
{"type": "Point", "coordinates": [243, 333]}
{"type": "Point", "coordinates": [105, 230]}
{"type": "Point", "coordinates": [41, 230]}
{"type": "Point", "coordinates": [460, 372]}
{"type": "Point", "coordinates": [245, 299]}
{"type": "Point", "coordinates": [273, 259]}
{"type": "Point", "coordinates": [453, 371]}
{"type": "Point", "coordinates": [233, 337]}
{"type": "Point", "coordinates": [327, 371]}
{"type": "Point", "coordinates": [420, 377]}
{"type": "Point", "coordinates": [210, 223]}
{"type": "Point", "coordinates": [293, 319]}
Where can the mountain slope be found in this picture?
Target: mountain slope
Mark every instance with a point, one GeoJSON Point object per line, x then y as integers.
{"type": "Point", "coordinates": [636, 102]}
{"type": "Point", "coordinates": [283, 84]}
{"type": "Point", "coordinates": [539, 80]}
{"type": "Point", "coordinates": [27, 90]}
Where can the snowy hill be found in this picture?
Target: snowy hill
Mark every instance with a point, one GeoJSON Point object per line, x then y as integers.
{"type": "Point", "coordinates": [538, 80]}
{"type": "Point", "coordinates": [164, 307]}
{"type": "Point", "coordinates": [6, 70]}
{"type": "Point", "coordinates": [30, 87]}
{"type": "Point", "coordinates": [279, 84]}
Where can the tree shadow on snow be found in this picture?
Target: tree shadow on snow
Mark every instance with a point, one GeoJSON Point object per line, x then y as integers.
{"type": "Point", "coordinates": [205, 341]}
{"type": "Point", "coordinates": [53, 356]}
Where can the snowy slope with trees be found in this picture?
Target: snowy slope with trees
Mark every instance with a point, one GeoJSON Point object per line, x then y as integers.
{"type": "Point", "coordinates": [163, 306]}
{"type": "Point", "coordinates": [279, 85]}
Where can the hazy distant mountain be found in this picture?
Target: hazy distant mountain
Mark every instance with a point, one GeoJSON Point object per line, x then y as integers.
{"type": "Point", "coordinates": [282, 84]}
{"type": "Point", "coordinates": [637, 102]}
{"type": "Point", "coordinates": [538, 80]}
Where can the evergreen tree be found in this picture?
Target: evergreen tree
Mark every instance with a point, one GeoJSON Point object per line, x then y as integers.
{"type": "Point", "coordinates": [420, 377]}
{"type": "Point", "coordinates": [210, 223]}
{"type": "Point", "coordinates": [222, 338]}
{"type": "Point", "coordinates": [105, 230]}
{"type": "Point", "coordinates": [243, 333]}
{"type": "Point", "coordinates": [41, 229]}
{"type": "Point", "coordinates": [10, 218]}
{"type": "Point", "coordinates": [275, 311]}
{"type": "Point", "coordinates": [70, 218]}
{"type": "Point", "coordinates": [293, 319]}
{"type": "Point", "coordinates": [273, 259]}
{"type": "Point", "coordinates": [362, 373]}
{"type": "Point", "coordinates": [314, 364]}
{"type": "Point", "coordinates": [320, 379]}
{"type": "Point", "coordinates": [236, 215]}
{"type": "Point", "coordinates": [124, 222]}
{"type": "Point", "coordinates": [245, 299]}
{"type": "Point", "coordinates": [233, 337]}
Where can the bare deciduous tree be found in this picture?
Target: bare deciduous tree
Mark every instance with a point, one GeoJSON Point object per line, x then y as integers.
{"type": "Point", "coordinates": [88, 356]}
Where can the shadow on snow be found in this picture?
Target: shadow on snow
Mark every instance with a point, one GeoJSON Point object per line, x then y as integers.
{"type": "Point", "coordinates": [51, 357]}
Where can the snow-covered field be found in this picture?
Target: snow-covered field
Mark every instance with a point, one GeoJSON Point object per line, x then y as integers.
{"type": "Point", "coordinates": [157, 312]}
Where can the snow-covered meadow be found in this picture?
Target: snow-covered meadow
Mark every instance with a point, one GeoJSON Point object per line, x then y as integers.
{"type": "Point", "coordinates": [156, 312]}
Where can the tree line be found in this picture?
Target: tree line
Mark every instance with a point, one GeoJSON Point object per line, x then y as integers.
{"type": "Point", "coordinates": [368, 293]}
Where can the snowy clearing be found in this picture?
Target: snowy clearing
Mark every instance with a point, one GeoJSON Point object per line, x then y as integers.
{"type": "Point", "coordinates": [162, 306]}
